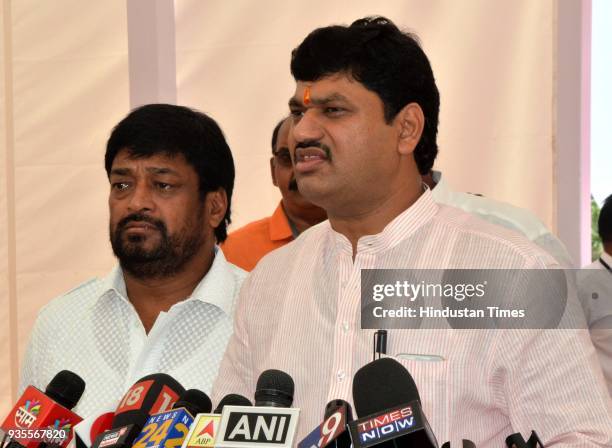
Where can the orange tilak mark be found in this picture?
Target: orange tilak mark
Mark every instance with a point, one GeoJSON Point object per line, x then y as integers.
{"type": "Point", "coordinates": [307, 96]}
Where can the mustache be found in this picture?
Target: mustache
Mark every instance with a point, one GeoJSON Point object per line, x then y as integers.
{"type": "Point", "coordinates": [314, 144]}
{"type": "Point", "coordinates": [293, 186]}
{"type": "Point", "coordinates": [139, 217]}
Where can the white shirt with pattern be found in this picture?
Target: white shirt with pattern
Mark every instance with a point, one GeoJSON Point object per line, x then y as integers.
{"type": "Point", "coordinates": [95, 332]}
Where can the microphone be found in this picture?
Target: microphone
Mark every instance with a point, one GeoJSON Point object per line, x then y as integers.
{"type": "Point", "coordinates": [387, 400]}
{"type": "Point", "coordinates": [170, 428]}
{"type": "Point", "coordinates": [39, 419]}
{"type": "Point", "coordinates": [333, 431]}
{"type": "Point", "coordinates": [465, 443]}
{"type": "Point", "coordinates": [151, 394]}
{"type": "Point", "coordinates": [275, 389]}
{"type": "Point", "coordinates": [517, 441]}
{"type": "Point", "coordinates": [271, 422]}
{"type": "Point", "coordinates": [205, 427]}
{"type": "Point", "coordinates": [232, 400]}
{"type": "Point", "coordinates": [91, 427]}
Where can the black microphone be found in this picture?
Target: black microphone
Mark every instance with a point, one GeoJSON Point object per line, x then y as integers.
{"type": "Point", "coordinates": [343, 438]}
{"type": "Point", "coordinates": [516, 440]}
{"type": "Point", "coordinates": [37, 412]}
{"type": "Point", "coordinates": [194, 401]}
{"type": "Point", "coordinates": [388, 404]}
{"type": "Point", "coordinates": [274, 389]}
{"type": "Point", "coordinates": [232, 400]}
{"type": "Point", "coordinates": [170, 428]}
{"type": "Point", "coordinates": [151, 394]}
{"type": "Point", "coordinates": [271, 422]}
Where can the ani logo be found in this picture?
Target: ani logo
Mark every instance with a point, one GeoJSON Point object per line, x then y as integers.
{"type": "Point", "coordinates": [26, 415]}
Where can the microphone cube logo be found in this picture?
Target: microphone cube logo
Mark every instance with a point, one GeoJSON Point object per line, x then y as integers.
{"type": "Point", "coordinates": [26, 415]}
{"type": "Point", "coordinates": [203, 432]}
{"type": "Point", "coordinates": [374, 429]}
{"type": "Point", "coordinates": [265, 427]}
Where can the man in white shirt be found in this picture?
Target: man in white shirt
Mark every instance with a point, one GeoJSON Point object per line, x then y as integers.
{"type": "Point", "coordinates": [499, 213]}
{"type": "Point", "coordinates": [595, 289]}
{"type": "Point", "coordinates": [365, 118]}
{"type": "Point", "coordinates": [167, 307]}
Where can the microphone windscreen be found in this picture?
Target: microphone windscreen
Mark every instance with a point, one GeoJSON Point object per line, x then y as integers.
{"type": "Point", "coordinates": [274, 388]}
{"type": "Point", "coordinates": [333, 406]}
{"type": "Point", "coordinates": [195, 401]}
{"type": "Point", "coordinates": [232, 400]}
{"type": "Point", "coordinates": [66, 388]}
{"type": "Point", "coordinates": [149, 395]}
{"type": "Point", "coordinates": [382, 384]}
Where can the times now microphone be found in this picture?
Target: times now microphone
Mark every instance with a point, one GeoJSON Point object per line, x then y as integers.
{"type": "Point", "coordinates": [151, 394]}
{"type": "Point", "coordinates": [45, 418]}
{"type": "Point", "coordinates": [332, 432]}
{"type": "Point", "coordinates": [205, 427]}
{"type": "Point", "coordinates": [170, 428]}
{"type": "Point", "coordinates": [271, 422]}
{"type": "Point", "coordinates": [516, 441]}
{"type": "Point", "coordinates": [387, 400]}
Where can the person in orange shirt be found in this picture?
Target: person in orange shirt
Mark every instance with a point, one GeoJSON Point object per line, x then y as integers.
{"type": "Point", "coordinates": [247, 245]}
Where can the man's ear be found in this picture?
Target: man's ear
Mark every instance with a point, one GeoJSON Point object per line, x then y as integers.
{"type": "Point", "coordinates": [410, 122]}
{"type": "Point", "coordinates": [272, 173]}
{"type": "Point", "coordinates": [216, 205]}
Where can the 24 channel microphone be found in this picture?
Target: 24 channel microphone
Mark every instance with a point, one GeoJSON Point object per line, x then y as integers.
{"type": "Point", "coordinates": [271, 422]}
{"type": "Point", "coordinates": [43, 419]}
{"type": "Point", "coordinates": [388, 404]}
{"type": "Point", "coordinates": [332, 432]}
{"type": "Point", "coordinates": [151, 394]}
{"type": "Point", "coordinates": [169, 429]}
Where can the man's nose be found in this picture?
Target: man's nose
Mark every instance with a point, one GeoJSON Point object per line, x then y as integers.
{"type": "Point", "coordinates": [307, 127]}
{"type": "Point", "coordinates": [141, 199]}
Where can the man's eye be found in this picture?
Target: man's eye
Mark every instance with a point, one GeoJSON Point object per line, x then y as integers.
{"type": "Point", "coordinates": [120, 186]}
{"type": "Point", "coordinates": [164, 186]}
{"type": "Point", "coordinates": [296, 113]}
{"type": "Point", "coordinates": [333, 110]}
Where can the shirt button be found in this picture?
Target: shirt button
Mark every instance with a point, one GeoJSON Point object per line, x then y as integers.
{"type": "Point", "coordinates": [343, 284]}
{"type": "Point", "coordinates": [340, 375]}
{"type": "Point", "coordinates": [345, 326]}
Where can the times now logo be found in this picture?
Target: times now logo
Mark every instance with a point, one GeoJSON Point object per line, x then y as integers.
{"type": "Point", "coordinates": [384, 425]}
{"type": "Point", "coordinates": [264, 427]}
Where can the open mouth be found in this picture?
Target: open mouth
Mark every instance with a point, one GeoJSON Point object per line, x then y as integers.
{"type": "Point", "coordinates": [307, 159]}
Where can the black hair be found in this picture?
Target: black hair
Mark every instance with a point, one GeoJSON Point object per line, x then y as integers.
{"type": "Point", "coordinates": [275, 133]}
{"type": "Point", "coordinates": [604, 224]}
{"type": "Point", "coordinates": [171, 130]}
{"type": "Point", "coordinates": [387, 61]}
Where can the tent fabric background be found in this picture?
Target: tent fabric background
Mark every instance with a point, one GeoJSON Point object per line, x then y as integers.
{"type": "Point", "coordinates": [493, 62]}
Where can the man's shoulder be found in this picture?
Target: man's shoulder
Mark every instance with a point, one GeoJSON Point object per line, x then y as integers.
{"type": "Point", "coordinates": [73, 301]}
{"type": "Point", "coordinates": [505, 214]}
{"type": "Point", "coordinates": [497, 237]}
{"type": "Point", "coordinates": [259, 228]}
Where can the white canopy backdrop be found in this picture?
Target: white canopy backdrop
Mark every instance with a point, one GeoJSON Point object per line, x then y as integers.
{"type": "Point", "coordinates": [66, 83]}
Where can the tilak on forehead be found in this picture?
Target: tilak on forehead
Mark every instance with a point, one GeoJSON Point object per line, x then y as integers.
{"type": "Point", "coordinates": [306, 98]}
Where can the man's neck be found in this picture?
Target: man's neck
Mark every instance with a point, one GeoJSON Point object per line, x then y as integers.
{"type": "Point", "coordinates": [154, 295]}
{"type": "Point", "coordinates": [373, 220]}
{"type": "Point", "coordinates": [305, 218]}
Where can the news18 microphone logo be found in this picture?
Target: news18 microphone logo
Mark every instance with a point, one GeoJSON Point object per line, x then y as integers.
{"type": "Point", "coordinates": [203, 432]}
{"type": "Point", "coordinates": [377, 428]}
{"type": "Point", "coordinates": [250, 426]}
